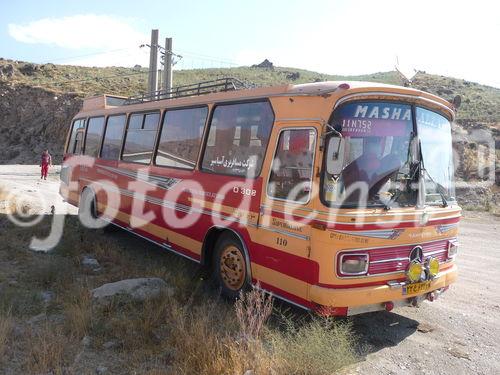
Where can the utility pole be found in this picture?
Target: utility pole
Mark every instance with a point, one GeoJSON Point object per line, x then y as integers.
{"type": "Point", "coordinates": [153, 62]}
{"type": "Point", "coordinates": [167, 77]}
{"type": "Point", "coordinates": [160, 82]}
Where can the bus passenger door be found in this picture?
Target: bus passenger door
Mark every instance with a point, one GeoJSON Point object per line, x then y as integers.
{"type": "Point", "coordinates": [286, 206]}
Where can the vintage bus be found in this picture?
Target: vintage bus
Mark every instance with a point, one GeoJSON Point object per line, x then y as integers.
{"type": "Point", "coordinates": [337, 197]}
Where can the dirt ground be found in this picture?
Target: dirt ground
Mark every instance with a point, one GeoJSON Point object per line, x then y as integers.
{"type": "Point", "coordinates": [457, 334]}
{"type": "Point", "coordinates": [24, 182]}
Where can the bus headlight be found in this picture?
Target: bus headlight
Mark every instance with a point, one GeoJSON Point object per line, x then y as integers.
{"type": "Point", "coordinates": [414, 272]}
{"type": "Point", "coordinates": [432, 266]}
{"type": "Point", "coordinates": [353, 264]}
{"type": "Point", "coordinates": [452, 249]}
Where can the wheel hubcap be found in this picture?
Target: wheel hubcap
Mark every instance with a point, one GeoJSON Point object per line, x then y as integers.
{"type": "Point", "coordinates": [232, 267]}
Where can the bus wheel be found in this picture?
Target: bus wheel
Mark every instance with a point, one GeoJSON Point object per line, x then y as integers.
{"type": "Point", "coordinates": [86, 206]}
{"type": "Point", "coordinates": [230, 266]}
{"type": "Point", "coordinates": [87, 211]}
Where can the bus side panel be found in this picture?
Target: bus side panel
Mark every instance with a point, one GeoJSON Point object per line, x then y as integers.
{"type": "Point", "coordinates": [198, 194]}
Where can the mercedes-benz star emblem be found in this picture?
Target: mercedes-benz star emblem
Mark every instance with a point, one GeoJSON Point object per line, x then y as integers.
{"type": "Point", "coordinates": [417, 254]}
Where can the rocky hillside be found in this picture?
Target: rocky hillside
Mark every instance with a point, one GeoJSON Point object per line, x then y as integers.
{"type": "Point", "coordinates": [33, 118]}
{"type": "Point", "coordinates": [38, 101]}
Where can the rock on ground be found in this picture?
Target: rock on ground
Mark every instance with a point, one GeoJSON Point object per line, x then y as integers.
{"type": "Point", "coordinates": [47, 296]}
{"type": "Point", "coordinates": [90, 264]}
{"type": "Point", "coordinates": [133, 289]}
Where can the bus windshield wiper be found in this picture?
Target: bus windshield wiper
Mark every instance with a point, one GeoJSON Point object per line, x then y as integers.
{"type": "Point", "coordinates": [408, 177]}
{"type": "Point", "coordinates": [439, 188]}
{"type": "Point", "coordinates": [393, 199]}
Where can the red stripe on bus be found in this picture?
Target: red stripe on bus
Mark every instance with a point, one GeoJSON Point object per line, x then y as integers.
{"type": "Point", "coordinates": [298, 267]}
{"type": "Point", "coordinates": [159, 241]}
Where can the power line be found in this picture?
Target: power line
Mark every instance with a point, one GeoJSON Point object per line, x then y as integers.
{"type": "Point", "coordinates": [90, 54]}
{"type": "Point", "coordinates": [210, 58]}
{"type": "Point", "coordinates": [193, 56]}
{"type": "Point", "coordinates": [200, 63]}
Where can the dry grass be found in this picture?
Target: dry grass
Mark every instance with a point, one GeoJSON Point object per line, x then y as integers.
{"type": "Point", "coordinates": [191, 332]}
{"type": "Point", "coordinates": [52, 272]}
{"type": "Point", "coordinates": [78, 312]}
{"type": "Point", "coordinates": [158, 371]}
{"type": "Point", "coordinates": [47, 351]}
{"type": "Point", "coordinates": [6, 325]}
{"type": "Point", "coordinates": [137, 327]}
{"type": "Point", "coordinates": [321, 346]}
{"type": "Point", "coordinates": [252, 311]}
{"type": "Point", "coordinates": [206, 340]}
{"type": "Point", "coordinates": [203, 339]}
{"type": "Point", "coordinates": [20, 302]}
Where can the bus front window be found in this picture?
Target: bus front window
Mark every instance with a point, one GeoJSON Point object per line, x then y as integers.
{"type": "Point", "coordinates": [434, 134]}
{"type": "Point", "coordinates": [375, 154]}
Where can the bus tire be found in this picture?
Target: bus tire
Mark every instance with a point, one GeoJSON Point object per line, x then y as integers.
{"type": "Point", "coordinates": [87, 210]}
{"type": "Point", "coordinates": [230, 269]}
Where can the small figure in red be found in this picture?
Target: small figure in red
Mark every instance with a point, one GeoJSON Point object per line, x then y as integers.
{"type": "Point", "coordinates": [45, 162]}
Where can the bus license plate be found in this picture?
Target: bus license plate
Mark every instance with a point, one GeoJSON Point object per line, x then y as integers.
{"type": "Point", "coordinates": [416, 288]}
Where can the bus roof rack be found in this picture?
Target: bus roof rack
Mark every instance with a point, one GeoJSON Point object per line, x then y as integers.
{"type": "Point", "coordinates": [200, 88]}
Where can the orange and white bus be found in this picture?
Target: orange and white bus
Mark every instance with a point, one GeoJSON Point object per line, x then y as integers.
{"type": "Point", "coordinates": [337, 197]}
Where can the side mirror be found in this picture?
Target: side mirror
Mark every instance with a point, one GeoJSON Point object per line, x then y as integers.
{"type": "Point", "coordinates": [335, 156]}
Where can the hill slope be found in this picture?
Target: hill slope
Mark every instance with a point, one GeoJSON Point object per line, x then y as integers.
{"type": "Point", "coordinates": [479, 102]}
{"type": "Point", "coordinates": [38, 101]}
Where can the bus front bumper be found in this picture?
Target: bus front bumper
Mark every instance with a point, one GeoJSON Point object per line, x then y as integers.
{"type": "Point", "coordinates": [352, 301]}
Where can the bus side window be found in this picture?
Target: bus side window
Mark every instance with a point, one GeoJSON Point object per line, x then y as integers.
{"type": "Point", "coordinates": [140, 137]}
{"type": "Point", "coordinates": [93, 136]}
{"type": "Point", "coordinates": [78, 125]}
{"type": "Point", "coordinates": [180, 137]}
{"type": "Point", "coordinates": [237, 139]}
{"type": "Point", "coordinates": [292, 168]}
{"type": "Point", "coordinates": [78, 143]}
{"type": "Point", "coordinates": [113, 135]}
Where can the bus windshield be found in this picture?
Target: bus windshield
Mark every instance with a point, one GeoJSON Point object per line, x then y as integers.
{"type": "Point", "coordinates": [434, 134]}
{"type": "Point", "coordinates": [375, 155]}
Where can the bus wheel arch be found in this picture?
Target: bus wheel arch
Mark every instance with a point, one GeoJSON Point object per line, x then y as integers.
{"type": "Point", "coordinates": [234, 249]}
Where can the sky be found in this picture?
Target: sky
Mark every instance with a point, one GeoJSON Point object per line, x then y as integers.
{"type": "Point", "coordinates": [453, 38]}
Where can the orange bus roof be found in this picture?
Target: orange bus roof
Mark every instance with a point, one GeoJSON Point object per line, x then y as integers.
{"type": "Point", "coordinates": [305, 89]}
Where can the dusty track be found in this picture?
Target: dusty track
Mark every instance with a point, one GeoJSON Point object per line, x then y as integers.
{"type": "Point", "coordinates": [457, 334]}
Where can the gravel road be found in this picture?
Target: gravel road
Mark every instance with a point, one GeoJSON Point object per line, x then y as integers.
{"type": "Point", "coordinates": [24, 182]}
{"type": "Point", "coordinates": [457, 334]}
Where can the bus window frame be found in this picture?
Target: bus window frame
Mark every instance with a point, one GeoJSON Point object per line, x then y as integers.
{"type": "Point", "coordinates": [105, 118]}
{"type": "Point", "coordinates": [122, 139]}
{"type": "Point", "coordinates": [71, 131]}
{"type": "Point", "coordinates": [207, 133]}
{"type": "Point", "coordinates": [158, 136]}
{"type": "Point", "coordinates": [125, 131]}
{"type": "Point", "coordinates": [316, 145]}
{"type": "Point", "coordinates": [80, 131]}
